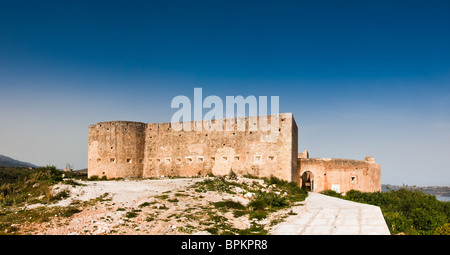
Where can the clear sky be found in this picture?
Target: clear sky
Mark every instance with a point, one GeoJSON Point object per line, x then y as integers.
{"type": "Point", "coordinates": [361, 77]}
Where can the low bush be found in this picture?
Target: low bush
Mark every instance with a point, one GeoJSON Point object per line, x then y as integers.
{"type": "Point", "coordinates": [259, 215]}
{"type": "Point", "coordinates": [39, 215]}
{"type": "Point", "coordinates": [442, 230]}
{"type": "Point", "coordinates": [32, 187]}
{"type": "Point", "coordinates": [229, 204]}
{"type": "Point", "coordinates": [262, 200]}
{"type": "Point", "coordinates": [293, 192]}
{"type": "Point", "coordinates": [232, 175]}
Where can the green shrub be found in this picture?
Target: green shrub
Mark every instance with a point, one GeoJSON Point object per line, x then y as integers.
{"type": "Point", "coordinates": [257, 204]}
{"type": "Point", "coordinates": [73, 183]}
{"type": "Point", "coordinates": [229, 204]}
{"type": "Point", "coordinates": [218, 184]}
{"type": "Point", "coordinates": [254, 229]}
{"type": "Point", "coordinates": [94, 178]}
{"type": "Point", "coordinates": [259, 215]}
{"type": "Point", "coordinates": [48, 173]}
{"type": "Point", "coordinates": [14, 174]}
{"type": "Point", "coordinates": [146, 204]}
{"type": "Point", "coordinates": [69, 211]}
{"type": "Point", "coordinates": [131, 214]}
{"type": "Point", "coordinates": [212, 230]}
{"type": "Point", "coordinates": [38, 215]}
{"type": "Point", "coordinates": [60, 195]}
{"type": "Point", "coordinates": [331, 193]}
{"type": "Point", "coordinates": [249, 176]}
{"type": "Point", "coordinates": [28, 187]}
{"type": "Point", "coordinates": [294, 192]}
{"type": "Point", "coordinates": [442, 230]}
{"type": "Point", "coordinates": [232, 175]}
{"type": "Point", "coordinates": [268, 199]}
{"type": "Point", "coordinates": [239, 213]}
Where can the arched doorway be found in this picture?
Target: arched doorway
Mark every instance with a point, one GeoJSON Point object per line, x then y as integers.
{"type": "Point", "coordinates": [308, 181]}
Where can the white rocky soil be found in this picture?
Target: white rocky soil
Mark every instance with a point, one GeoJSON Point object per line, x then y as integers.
{"type": "Point", "coordinates": [151, 207]}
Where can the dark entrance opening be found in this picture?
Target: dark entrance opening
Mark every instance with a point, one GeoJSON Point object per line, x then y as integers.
{"type": "Point", "coordinates": [308, 181]}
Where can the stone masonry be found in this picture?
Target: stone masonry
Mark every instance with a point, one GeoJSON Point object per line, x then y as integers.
{"type": "Point", "coordinates": [119, 149]}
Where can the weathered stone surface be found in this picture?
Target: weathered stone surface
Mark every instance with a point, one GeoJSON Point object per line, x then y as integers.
{"type": "Point", "coordinates": [134, 149]}
{"type": "Point", "coordinates": [119, 149]}
{"type": "Point", "coordinates": [340, 174]}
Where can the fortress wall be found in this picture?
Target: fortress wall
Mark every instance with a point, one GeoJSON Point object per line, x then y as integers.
{"type": "Point", "coordinates": [116, 149]}
{"type": "Point", "coordinates": [349, 174]}
{"type": "Point", "coordinates": [133, 149]}
{"type": "Point", "coordinates": [187, 153]}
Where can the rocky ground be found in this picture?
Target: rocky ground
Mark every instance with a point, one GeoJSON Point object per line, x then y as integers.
{"type": "Point", "coordinates": [152, 207]}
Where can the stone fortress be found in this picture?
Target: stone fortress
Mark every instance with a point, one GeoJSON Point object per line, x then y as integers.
{"type": "Point", "coordinates": [120, 149]}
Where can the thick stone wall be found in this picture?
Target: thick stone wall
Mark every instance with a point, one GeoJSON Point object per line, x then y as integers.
{"type": "Point", "coordinates": [157, 149]}
{"type": "Point", "coordinates": [341, 175]}
{"type": "Point", "coordinates": [188, 153]}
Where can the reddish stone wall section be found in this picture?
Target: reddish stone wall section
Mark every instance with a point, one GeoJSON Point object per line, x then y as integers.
{"type": "Point", "coordinates": [340, 175]}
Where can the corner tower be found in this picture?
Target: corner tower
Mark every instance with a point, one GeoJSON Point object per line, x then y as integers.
{"type": "Point", "coordinates": [116, 149]}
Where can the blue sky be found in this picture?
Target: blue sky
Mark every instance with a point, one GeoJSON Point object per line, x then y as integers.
{"type": "Point", "coordinates": [361, 77]}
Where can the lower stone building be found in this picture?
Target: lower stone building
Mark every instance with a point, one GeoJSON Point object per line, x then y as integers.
{"type": "Point", "coordinates": [340, 175]}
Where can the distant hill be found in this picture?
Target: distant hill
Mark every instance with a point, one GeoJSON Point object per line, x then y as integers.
{"type": "Point", "coordinates": [84, 170]}
{"type": "Point", "coordinates": [10, 162]}
{"type": "Point", "coordinates": [431, 190]}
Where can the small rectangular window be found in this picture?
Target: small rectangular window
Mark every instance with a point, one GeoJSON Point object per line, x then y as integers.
{"type": "Point", "coordinates": [167, 160]}
{"type": "Point", "coordinates": [213, 159]}
{"type": "Point", "coordinates": [178, 160]}
{"type": "Point", "coordinates": [99, 160]}
{"type": "Point", "coordinates": [112, 160]}
{"type": "Point", "coordinates": [271, 158]}
{"type": "Point", "coordinates": [140, 161]}
{"type": "Point", "coordinates": [189, 159]}
{"type": "Point", "coordinates": [258, 158]}
{"type": "Point", "coordinates": [237, 158]}
{"type": "Point", "coordinates": [128, 160]}
{"type": "Point", "coordinates": [224, 159]}
{"type": "Point", "coordinates": [200, 159]}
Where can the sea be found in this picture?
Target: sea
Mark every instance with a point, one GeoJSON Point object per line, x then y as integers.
{"type": "Point", "coordinates": [443, 198]}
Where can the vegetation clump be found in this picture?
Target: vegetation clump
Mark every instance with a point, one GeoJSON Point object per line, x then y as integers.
{"type": "Point", "coordinates": [271, 195]}
{"type": "Point", "coordinates": [33, 186]}
{"type": "Point", "coordinates": [229, 204]}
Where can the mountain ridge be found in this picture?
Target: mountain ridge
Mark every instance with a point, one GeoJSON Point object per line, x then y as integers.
{"type": "Point", "coordinates": [10, 162]}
